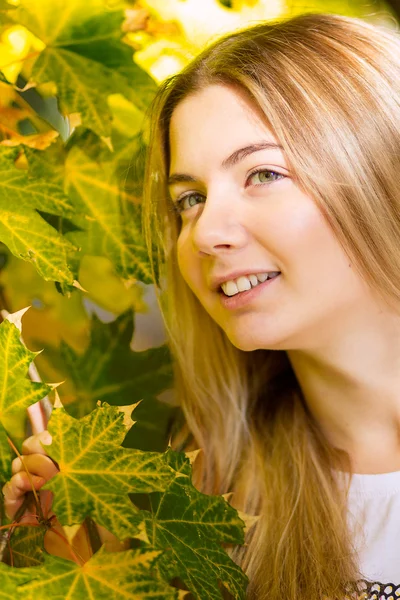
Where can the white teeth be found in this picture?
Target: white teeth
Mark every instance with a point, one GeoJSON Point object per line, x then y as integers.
{"type": "Point", "coordinates": [253, 280]}
{"type": "Point", "coordinates": [230, 288]}
{"type": "Point", "coordinates": [243, 283]}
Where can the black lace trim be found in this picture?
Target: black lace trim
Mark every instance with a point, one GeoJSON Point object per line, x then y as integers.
{"type": "Point", "coordinates": [367, 590]}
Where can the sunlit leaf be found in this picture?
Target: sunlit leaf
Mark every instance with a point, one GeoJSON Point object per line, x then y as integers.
{"type": "Point", "coordinates": [10, 579]}
{"type": "Point", "coordinates": [22, 229]}
{"type": "Point", "coordinates": [94, 190]}
{"type": "Point", "coordinates": [106, 576]}
{"type": "Point", "coordinates": [97, 474]}
{"type": "Point", "coordinates": [85, 57]}
{"type": "Point", "coordinates": [16, 391]}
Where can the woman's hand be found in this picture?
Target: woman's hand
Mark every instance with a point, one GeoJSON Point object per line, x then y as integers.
{"type": "Point", "coordinates": [41, 469]}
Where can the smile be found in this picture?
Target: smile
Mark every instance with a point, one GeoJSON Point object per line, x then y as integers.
{"type": "Point", "coordinates": [243, 299]}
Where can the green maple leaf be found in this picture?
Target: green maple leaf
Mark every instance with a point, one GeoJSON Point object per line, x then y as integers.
{"type": "Point", "coordinates": [17, 392]}
{"type": "Point", "coordinates": [106, 576]}
{"type": "Point", "coordinates": [125, 163]}
{"type": "Point", "coordinates": [5, 454]}
{"type": "Point", "coordinates": [97, 474]}
{"type": "Point", "coordinates": [107, 216]}
{"type": "Point", "coordinates": [104, 188]}
{"type": "Point", "coordinates": [22, 229]}
{"type": "Point", "coordinates": [110, 371]}
{"type": "Point", "coordinates": [85, 57]}
{"type": "Point", "coordinates": [31, 191]}
{"type": "Point", "coordinates": [94, 190]}
{"type": "Point", "coordinates": [192, 526]}
{"type": "Point", "coordinates": [10, 579]}
{"type": "Point", "coordinates": [25, 547]}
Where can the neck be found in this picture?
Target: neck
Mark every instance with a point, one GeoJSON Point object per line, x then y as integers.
{"type": "Point", "coordinates": [352, 388]}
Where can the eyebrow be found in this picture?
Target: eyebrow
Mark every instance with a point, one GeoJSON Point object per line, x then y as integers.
{"type": "Point", "coordinates": [233, 159]}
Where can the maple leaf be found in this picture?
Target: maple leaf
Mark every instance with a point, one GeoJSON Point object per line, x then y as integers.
{"type": "Point", "coordinates": [31, 191]}
{"type": "Point", "coordinates": [17, 392]}
{"type": "Point", "coordinates": [110, 371]}
{"type": "Point", "coordinates": [95, 189]}
{"type": "Point", "coordinates": [10, 579]}
{"type": "Point", "coordinates": [25, 547]}
{"type": "Point", "coordinates": [84, 57]}
{"type": "Point", "coordinates": [49, 163]}
{"type": "Point", "coordinates": [104, 188]}
{"type": "Point", "coordinates": [106, 576]}
{"type": "Point", "coordinates": [22, 229]}
{"type": "Point", "coordinates": [97, 474]}
{"type": "Point", "coordinates": [190, 527]}
{"type": "Point", "coordinates": [5, 453]}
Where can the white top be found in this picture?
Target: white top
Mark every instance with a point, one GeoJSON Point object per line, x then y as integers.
{"type": "Point", "coordinates": [374, 519]}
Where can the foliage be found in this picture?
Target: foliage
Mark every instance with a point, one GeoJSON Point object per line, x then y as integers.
{"type": "Point", "coordinates": [179, 537]}
{"type": "Point", "coordinates": [76, 79]}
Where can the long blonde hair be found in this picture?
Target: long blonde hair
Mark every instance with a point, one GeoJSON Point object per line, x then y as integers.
{"type": "Point", "coordinates": [329, 87]}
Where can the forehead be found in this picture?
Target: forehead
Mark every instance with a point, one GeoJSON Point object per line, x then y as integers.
{"type": "Point", "coordinates": [217, 120]}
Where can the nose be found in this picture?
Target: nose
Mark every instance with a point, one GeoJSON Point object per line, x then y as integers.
{"type": "Point", "coordinates": [219, 225]}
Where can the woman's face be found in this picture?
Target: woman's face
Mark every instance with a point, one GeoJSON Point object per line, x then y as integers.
{"type": "Point", "coordinates": [243, 214]}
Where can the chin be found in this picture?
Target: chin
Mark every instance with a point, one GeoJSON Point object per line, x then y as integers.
{"type": "Point", "coordinates": [248, 343]}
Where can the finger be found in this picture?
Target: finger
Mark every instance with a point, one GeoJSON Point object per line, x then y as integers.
{"type": "Point", "coordinates": [19, 484]}
{"type": "Point", "coordinates": [14, 491]}
{"type": "Point", "coordinates": [32, 444]}
{"type": "Point", "coordinates": [36, 464]}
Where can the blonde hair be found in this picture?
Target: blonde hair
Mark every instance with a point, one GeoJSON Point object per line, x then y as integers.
{"type": "Point", "coordinates": [329, 87]}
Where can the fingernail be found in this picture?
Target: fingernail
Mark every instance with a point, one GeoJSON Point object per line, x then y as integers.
{"type": "Point", "coordinates": [45, 437]}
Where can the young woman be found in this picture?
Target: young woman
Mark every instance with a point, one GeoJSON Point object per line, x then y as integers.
{"type": "Point", "coordinates": [272, 201]}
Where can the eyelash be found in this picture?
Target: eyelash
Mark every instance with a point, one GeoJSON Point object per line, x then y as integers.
{"type": "Point", "coordinates": [178, 203]}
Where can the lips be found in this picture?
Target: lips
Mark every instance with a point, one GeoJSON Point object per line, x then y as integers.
{"type": "Point", "coordinates": [244, 300]}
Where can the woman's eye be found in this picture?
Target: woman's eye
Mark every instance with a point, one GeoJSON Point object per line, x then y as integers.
{"type": "Point", "coordinates": [263, 176]}
{"type": "Point", "coordinates": [179, 204]}
{"type": "Point", "coordinates": [259, 177]}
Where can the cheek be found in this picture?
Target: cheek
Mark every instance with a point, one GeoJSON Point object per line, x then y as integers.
{"type": "Point", "coordinates": [307, 241]}
{"type": "Point", "coordinates": [319, 264]}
